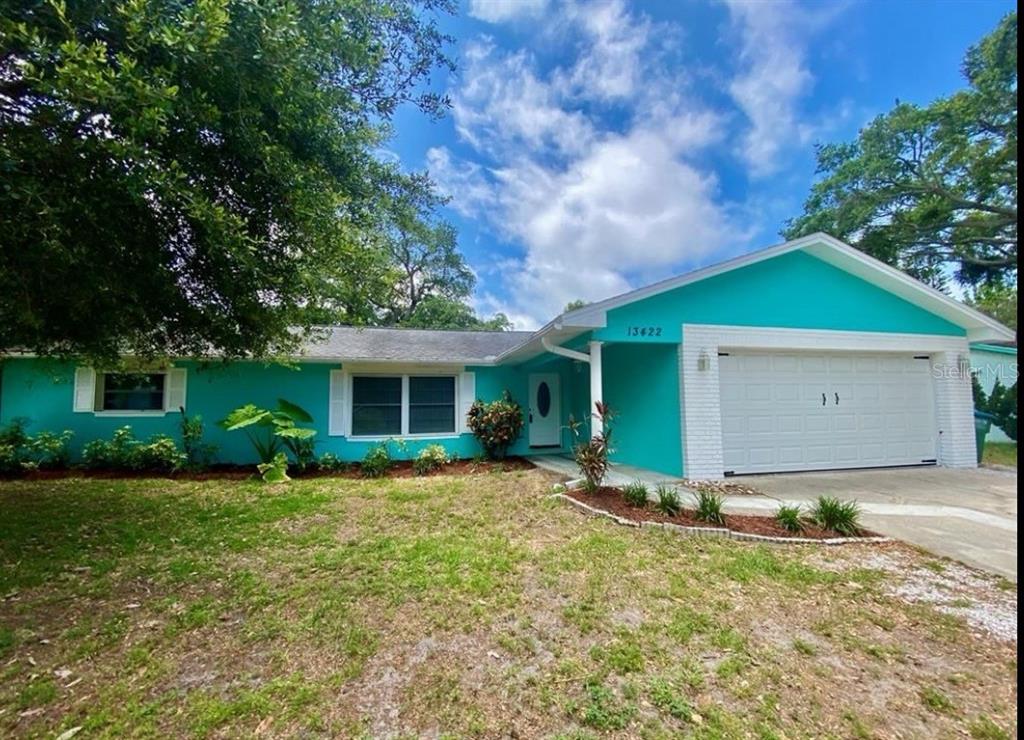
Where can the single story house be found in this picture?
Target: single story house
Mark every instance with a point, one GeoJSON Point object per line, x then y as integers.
{"type": "Point", "coordinates": [809, 355]}
{"type": "Point", "coordinates": [992, 362]}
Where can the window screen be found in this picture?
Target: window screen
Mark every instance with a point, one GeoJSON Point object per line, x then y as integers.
{"type": "Point", "coordinates": [431, 405]}
{"type": "Point", "coordinates": [376, 406]}
{"type": "Point", "coordinates": [133, 392]}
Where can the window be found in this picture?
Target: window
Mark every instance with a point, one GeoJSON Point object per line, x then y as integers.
{"type": "Point", "coordinates": [376, 406]}
{"type": "Point", "coordinates": [431, 405]}
{"type": "Point", "coordinates": [402, 405]}
{"type": "Point", "coordinates": [131, 392]}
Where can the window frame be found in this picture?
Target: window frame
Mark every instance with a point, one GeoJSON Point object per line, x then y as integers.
{"type": "Point", "coordinates": [100, 393]}
{"type": "Point", "coordinates": [404, 376]}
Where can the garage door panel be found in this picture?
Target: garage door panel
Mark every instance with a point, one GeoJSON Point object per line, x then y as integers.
{"type": "Point", "coordinates": [774, 418]}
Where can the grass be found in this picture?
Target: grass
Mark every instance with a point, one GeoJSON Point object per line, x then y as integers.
{"type": "Point", "coordinates": [430, 606]}
{"type": "Point", "coordinates": [1000, 453]}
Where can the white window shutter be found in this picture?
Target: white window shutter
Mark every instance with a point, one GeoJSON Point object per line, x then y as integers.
{"type": "Point", "coordinates": [336, 406]}
{"type": "Point", "coordinates": [467, 395]}
{"type": "Point", "coordinates": [85, 389]}
{"type": "Point", "coordinates": [174, 391]}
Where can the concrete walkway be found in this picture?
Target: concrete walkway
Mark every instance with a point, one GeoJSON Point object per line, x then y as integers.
{"type": "Point", "coordinates": [967, 515]}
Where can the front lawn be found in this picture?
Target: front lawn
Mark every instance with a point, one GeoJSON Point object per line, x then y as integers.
{"type": "Point", "coordinates": [1000, 453]}
{"type": "Point", "coordinates": [470, 605]}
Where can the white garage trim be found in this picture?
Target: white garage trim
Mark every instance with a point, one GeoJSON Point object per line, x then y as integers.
{"type": "Point", "coordinates": [701, 393]}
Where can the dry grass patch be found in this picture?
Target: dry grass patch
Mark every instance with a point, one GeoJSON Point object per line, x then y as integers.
{"type": "Point", "coordinates": [471, 606]}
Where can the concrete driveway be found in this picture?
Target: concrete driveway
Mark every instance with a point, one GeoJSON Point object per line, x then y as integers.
{"type": "Point", "coordinates": [968, 515]}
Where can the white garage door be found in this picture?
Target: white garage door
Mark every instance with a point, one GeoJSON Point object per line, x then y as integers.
{"type": "Point", "coordinates": [815, 412]}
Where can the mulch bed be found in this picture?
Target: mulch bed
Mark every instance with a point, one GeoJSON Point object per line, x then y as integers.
{"type": "Point", "coordinates": [224, 471]}
{"type": "Point", "coordinates": [612, 501]}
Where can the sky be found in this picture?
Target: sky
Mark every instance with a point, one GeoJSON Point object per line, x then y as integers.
{"type": "Point", "coordinates": [594, 147]}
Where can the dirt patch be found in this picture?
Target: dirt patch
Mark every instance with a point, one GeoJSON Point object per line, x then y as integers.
{"type": "Point", "coordinates": [612, 501]}
{"type": "Point", "coordinates": [724, 488]}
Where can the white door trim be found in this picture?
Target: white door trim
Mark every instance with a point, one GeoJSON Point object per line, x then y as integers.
{"type": "Point", "coordinates": [701, 399]}
{"type": "Point", "coordinates": [545, 431]}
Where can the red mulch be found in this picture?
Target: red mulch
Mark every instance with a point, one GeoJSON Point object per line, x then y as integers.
{"type": "Point", "coordinates": [612, 501]}
{"type": "Point", "coordinates": [224, 471]}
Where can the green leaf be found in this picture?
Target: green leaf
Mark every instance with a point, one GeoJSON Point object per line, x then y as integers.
{"type": "Point", "coordinates": [295, 432]}
{"type": "Point", "coordinates": [294, 412]}
{"type": "Point", "coordinates": [245, 416]}
{"type": "Point", "coordinates": [275, 471]}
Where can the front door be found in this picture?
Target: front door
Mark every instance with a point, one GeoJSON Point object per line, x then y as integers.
{"type": "Point", "coordinates": [545, 428]}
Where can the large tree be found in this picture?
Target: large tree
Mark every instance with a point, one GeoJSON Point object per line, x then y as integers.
{"type": "Point", "coordinates": [180, 177]}
{"type": "Point", "coordinates": [933, 189]}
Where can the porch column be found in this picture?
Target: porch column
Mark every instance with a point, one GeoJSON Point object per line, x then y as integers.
{"type": "Point", "coordinates": [596, 394]}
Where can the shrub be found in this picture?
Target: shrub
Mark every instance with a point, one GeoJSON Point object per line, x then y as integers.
{"type": "Point", "coordinates": [20, 451]}
{"type": "Point", "coordinates": [124, 452]}
{"type": "Point", "coordinates": [331, 462]}
{"type": "Point", "coordinates": [275, 471]}
{"type": "Point", "coordinates": [198, 454]}
{"type": "Point", "coordinates": [635, 494]}
{"type": "Point", "coordinates": [790, 518]}
{"type": "Point", "coordinates": [271, 429]}
{"type": "Point", "coordinates": [842, 517]}
{"type": "Point", "coordinates": [429, 459]}
{"type": "Point", "coordinates": [376, 462]}
{"type": "Point", "coordinates": [304, 452]}
{"type": "Point", "coordinates": [496, 425]}
{"type": "Point", "coordinates": [668, 500]}
{"type": "Point", "coordinates": [591, 456]}
{"type": "Point", "coordinates": [709, 507]}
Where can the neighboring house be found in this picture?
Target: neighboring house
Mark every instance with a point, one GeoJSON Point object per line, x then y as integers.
{"type": "Point", "coordinates": [991, 362]}
{"type": "Point", "coordinates": [809, 355]}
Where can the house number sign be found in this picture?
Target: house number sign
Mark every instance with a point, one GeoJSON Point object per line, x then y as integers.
{"type": "Point", "coordinates": [643, 331]}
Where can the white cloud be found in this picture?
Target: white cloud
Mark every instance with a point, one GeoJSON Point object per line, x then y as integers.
{"type": "Point", "coordinates": [501, 11]}
{"type": "Point", "coordinates": [593, 207]}
{"type": "Point", "coordinates": [774, 75]}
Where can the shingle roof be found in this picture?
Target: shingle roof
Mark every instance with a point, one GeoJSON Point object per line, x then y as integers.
{"type": "Point", "coordinates": [411, 345]}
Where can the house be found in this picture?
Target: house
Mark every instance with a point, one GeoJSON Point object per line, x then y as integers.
{"type": "Point", "coordinates": [808, 355]}
{"type": "Point", "coordinates": [992, 362]}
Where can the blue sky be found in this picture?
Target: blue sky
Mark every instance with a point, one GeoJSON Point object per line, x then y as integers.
{"type": "Point", "coordinates": [594, 147]}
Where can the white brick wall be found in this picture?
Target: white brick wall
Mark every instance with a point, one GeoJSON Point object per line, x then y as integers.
{"type": "Point", "coordinates": [701, 401]}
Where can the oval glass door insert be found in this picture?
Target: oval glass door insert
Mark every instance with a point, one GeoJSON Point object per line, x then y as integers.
{"type": "Point", "coordinates": [543, 399]}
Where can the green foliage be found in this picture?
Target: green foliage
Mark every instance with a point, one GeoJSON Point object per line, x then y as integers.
{"type": "Point", "coordinates": [842, 517]}
{"type": "Point", "coordinates": [124, 452]}
{"type": "Point", "coordinates": [198, 454]}
{"type": "Point", "coordinates": [377, 461]}
{"type": "Point", "coordinates": [709, 507]}
{"type": "Point", "coordinates": [437, 312]}
{"type": "Point", "coordinates": [270, 430]}
{"type": "Point", "coordinates": [429, 459]}
{"type": "Point", "coordinates": [790, 518]}
{"type": "Point", "coordinates": [275, 471]}
{"type": "Point", "coordinates": [331, 462]}
{"type": "Point", "coordinates": [635, 494]}
{"type": "Point", "coordinates": [591, 455]}
{"type": "Point", "coordinates": [668, 500]}
{"type": "Point", "coordinates": [929, 188]}
{"type": "Point", "coordinates": [21, 451]}
{"type": "Point", "coordinates": [496, 425]}
{"type": "Point", "coordinates": [998, 301]}
{"type": "Point", "coordinates": [1002, 404]}
{"type": "Point", "coordinates": [225, 155]}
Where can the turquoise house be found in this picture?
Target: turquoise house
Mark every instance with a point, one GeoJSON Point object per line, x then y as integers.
{"type": "Point", "coordinates": [808, 355]}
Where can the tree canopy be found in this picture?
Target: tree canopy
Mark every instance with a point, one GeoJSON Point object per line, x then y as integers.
{"type": "Point", "coordinates": [933, 189]}
{"type": "Point", "coordinates": [185, 177]}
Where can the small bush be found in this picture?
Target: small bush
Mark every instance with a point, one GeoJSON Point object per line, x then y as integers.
{"type": "Point", "coordinates": [331, 462]}
{"type": "Point", "coordinates": [125, 452]}
{"type": "Point", "coordinates": [709, 507]}
{"type": "Point", "coordinates": [668, 500]}
{"type": "Point", "coordinates": [591, 456]}
{"type": "Point", "coordinates": [304, 451]}
{"type": "Point", "coordinates": [790, 518]}
{"type": "Point", "coordinates": [635, 494]}
{"type": "Point", "coordinates": [496, 425]}
{"type": "Point", "coordinates": [198, 454]}
{"type": "Point", "coordinates": [429, 459]}
{"type": "Point", "coordinates": [376, 462]}
{"type": "Point", "coordinates": [842, 517]}
{"type": "Point", "coordinates": [21, 451]}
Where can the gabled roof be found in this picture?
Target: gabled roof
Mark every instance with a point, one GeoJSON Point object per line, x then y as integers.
{"type": "Point", "coordinates": [352, 344]}
{"type": "Point", "coordinates": [979, 327]}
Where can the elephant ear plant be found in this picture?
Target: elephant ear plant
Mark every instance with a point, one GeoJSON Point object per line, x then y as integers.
{"type": "Point", "coordinates": [271, 431]}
